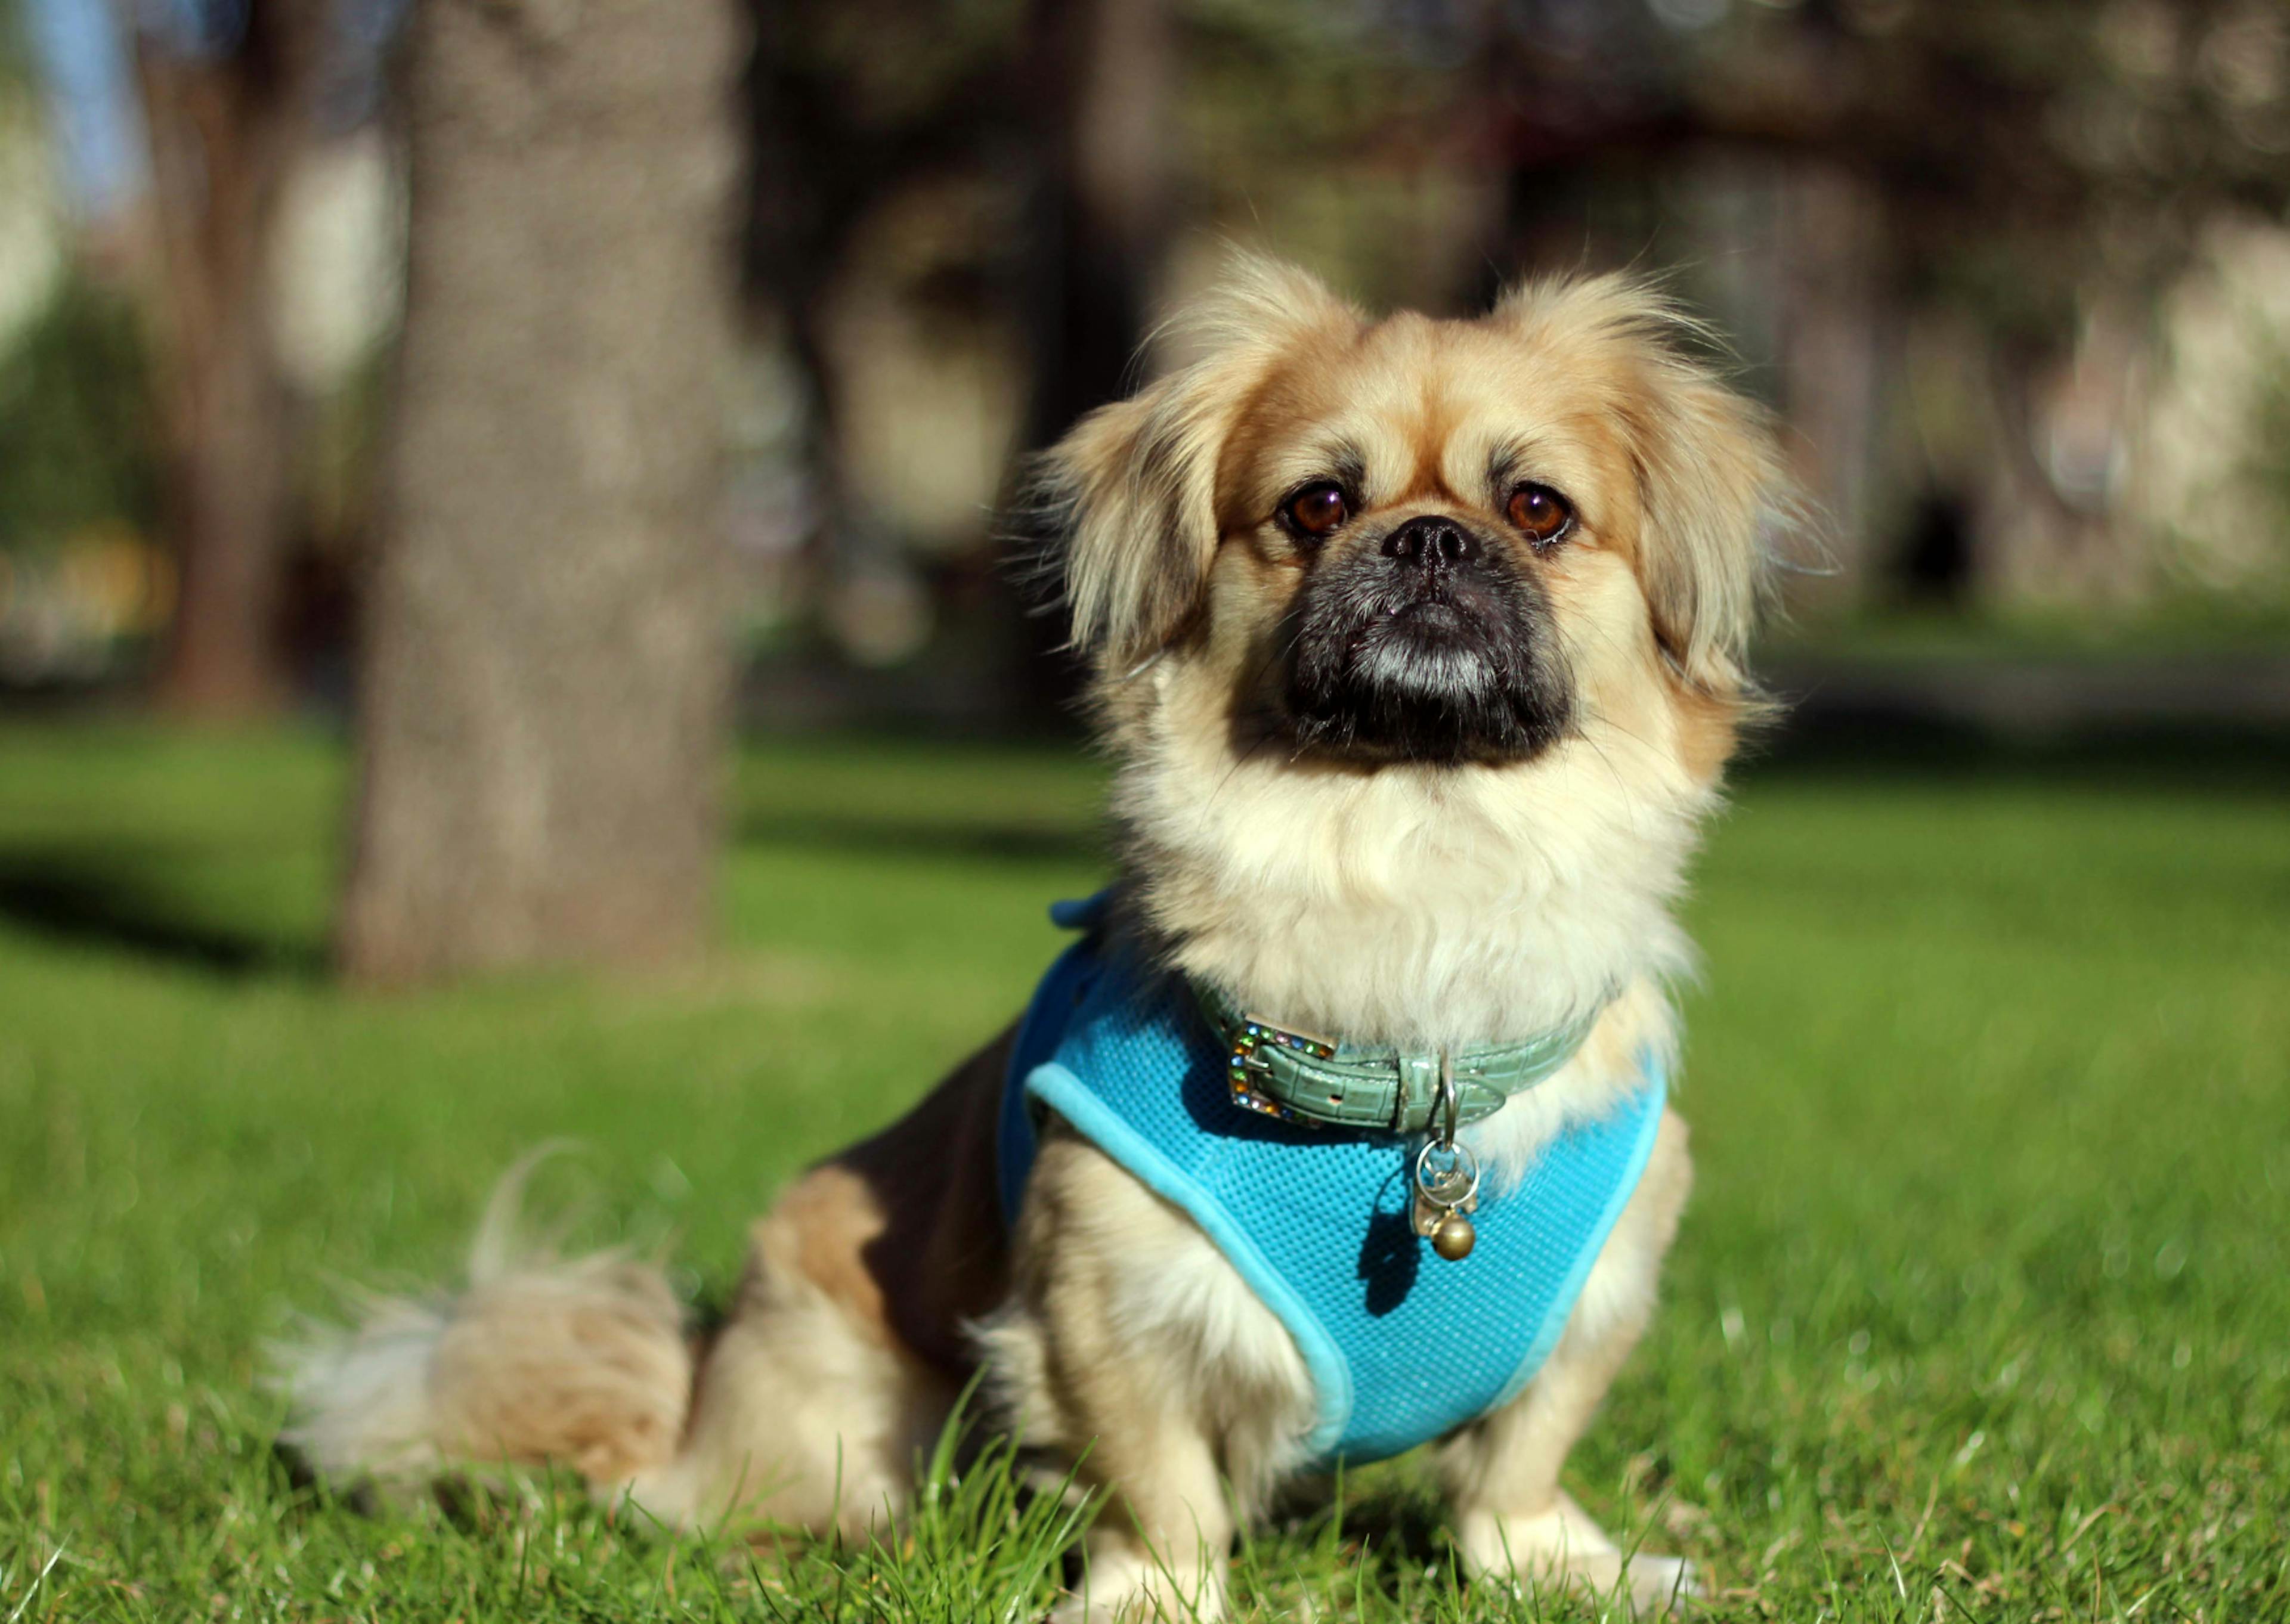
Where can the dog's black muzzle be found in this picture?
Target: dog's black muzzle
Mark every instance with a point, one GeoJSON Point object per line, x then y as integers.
{"type": "Point", "coordinates": [1431, 644]}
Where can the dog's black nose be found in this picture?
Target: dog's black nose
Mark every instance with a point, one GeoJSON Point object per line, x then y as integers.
{"type": "Point", "coordinates": [1432, 543]}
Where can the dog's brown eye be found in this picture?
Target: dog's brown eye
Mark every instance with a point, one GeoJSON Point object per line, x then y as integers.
{"type": "Point", "coordinates": [1540, 512]}
{"type": "Point", "coordinates": [1316, 510]}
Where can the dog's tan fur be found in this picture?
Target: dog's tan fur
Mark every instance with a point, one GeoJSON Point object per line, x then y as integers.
{"type": "Point", "coordinates": [1408, 902]}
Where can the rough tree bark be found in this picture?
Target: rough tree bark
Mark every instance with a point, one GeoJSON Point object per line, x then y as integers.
{"type": "Point", "coordinates": [543, 673]}
{"type": "Point", "coordinates": [225, 126]}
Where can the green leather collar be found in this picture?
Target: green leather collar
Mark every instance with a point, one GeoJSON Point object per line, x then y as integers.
{"type": "Point", "coordinates": [1297, 1076]}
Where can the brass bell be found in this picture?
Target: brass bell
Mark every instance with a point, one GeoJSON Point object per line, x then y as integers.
{"type": "Point", "coordinates": [1454, 1237]}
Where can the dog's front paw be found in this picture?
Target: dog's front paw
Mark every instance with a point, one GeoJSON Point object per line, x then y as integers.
{"type": "Point", "coordinates": [1130, 1587]}
{"type": "Point", "coordinates": [1659, 1585]}
{"type": "Point", "coordinates": [1653, 1587]}
{"type": "Point", "coordinates": [1562, 1547]}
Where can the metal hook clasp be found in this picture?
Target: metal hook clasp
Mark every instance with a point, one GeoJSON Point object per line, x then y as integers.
{"type": "Point", "coordinates": [1446, 1177]}
{"type": "Point", "coordinates": [1449, 1108]}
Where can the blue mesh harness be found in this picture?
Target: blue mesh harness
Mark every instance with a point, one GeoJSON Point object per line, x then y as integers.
{"type": "Point", "coordinates": [1402, 1347]}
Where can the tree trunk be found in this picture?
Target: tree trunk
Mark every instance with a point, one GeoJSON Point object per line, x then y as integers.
{"type": "Point", "coordinates": [224, 128]}
{"type": "Point", "coordinates": [1103, 76]}
{"type": "Point", "coordinates": [1830, 262]}
{"type": "Point", "coordinates": [1106, 70]}
{"type": "Point", "coordinates": [544, 671]}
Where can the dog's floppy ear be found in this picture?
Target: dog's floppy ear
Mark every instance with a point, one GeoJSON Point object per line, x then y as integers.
{"type": "Point", "coordinates": [1712, 493]}
{"type": "Point", "coordinates": [1125, 508]}
{"type": "Point", "coordinates": [1714, 496]}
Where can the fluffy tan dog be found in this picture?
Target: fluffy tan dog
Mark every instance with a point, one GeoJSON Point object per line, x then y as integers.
{"type": "Point", "coordinates": [1418, 645]}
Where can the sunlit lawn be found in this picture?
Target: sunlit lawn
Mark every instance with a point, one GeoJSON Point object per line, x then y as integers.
{"type": "Point", "coordinates": [1984, 1293]}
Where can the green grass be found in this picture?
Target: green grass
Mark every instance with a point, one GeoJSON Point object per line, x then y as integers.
{"type": "Point", "coordinates": [1982, 1294]}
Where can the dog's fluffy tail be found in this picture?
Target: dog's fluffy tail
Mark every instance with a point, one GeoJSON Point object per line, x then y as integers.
{"type": "Point", "coordinates": [583, 1363]}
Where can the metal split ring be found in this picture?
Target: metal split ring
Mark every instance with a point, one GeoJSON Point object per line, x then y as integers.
{"type": "Point", "coordinates": [1450, 1185]}
{"type": "Point", "coordinates": [1458, 1181]}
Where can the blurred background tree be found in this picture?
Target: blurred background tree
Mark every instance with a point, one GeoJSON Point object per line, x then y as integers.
{"type": "Point", "coordinates": [227, 93]}
{"type": "Point", "coordinates": [2017, 276]}
{"type": "Point", "coordinates": [542, 683]}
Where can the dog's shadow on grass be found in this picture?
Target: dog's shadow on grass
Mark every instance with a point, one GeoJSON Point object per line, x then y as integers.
{"type": "Point", "coordinates": [1403, 1528]}
{"type": "Point", "coordinates": [91, 899]}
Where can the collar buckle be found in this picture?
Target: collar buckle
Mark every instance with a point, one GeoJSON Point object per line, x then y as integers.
{"type": "Point", "coordinates": [1251, 1035]}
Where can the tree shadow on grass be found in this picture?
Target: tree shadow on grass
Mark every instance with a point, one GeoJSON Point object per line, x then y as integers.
{"type": "Point", "coordinates": [83, 899]}
{"type": "Point", "coordinates": [1872, 745]}
{"type": "Point", "coordinates": [874, 833]}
